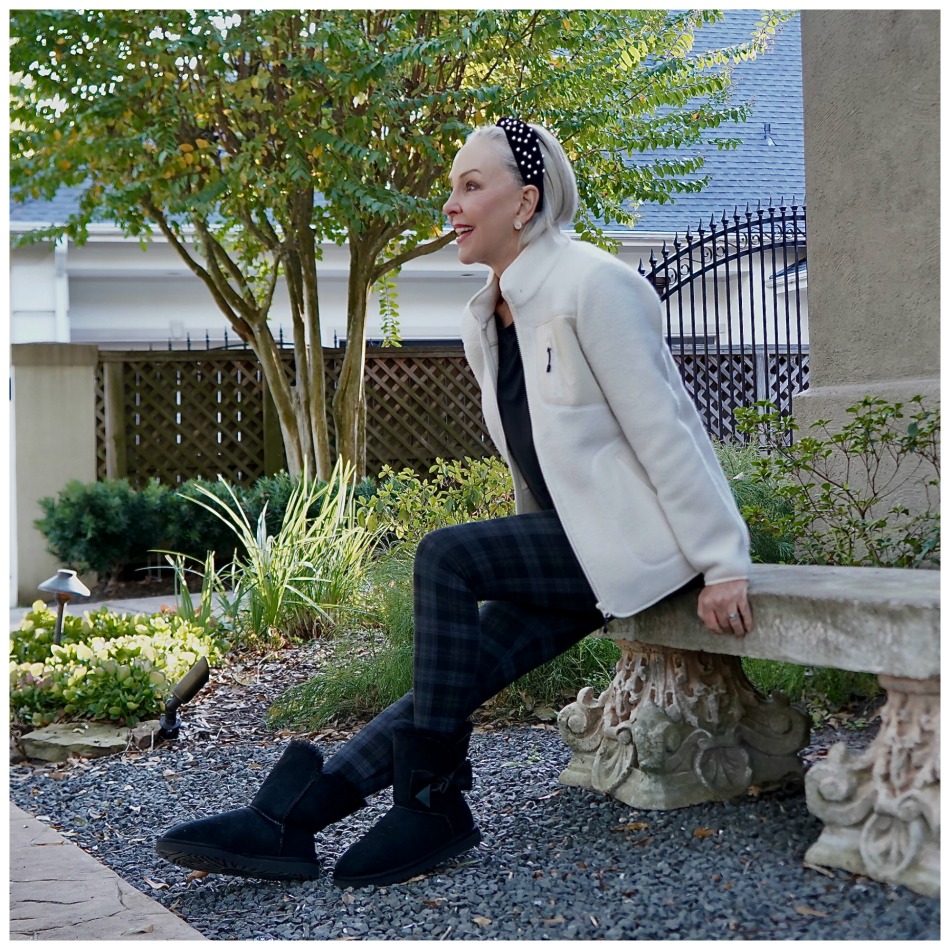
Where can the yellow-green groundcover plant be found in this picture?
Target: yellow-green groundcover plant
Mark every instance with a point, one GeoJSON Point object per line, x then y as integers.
{"type": "Point", "coordinates": [109, 667]}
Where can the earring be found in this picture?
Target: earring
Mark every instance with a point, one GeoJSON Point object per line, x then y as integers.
{"type": "Point", "coordinates": [517, 225]}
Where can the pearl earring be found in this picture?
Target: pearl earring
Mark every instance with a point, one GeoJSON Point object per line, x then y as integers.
{"type": "Point", "coordinates": [517, 225]}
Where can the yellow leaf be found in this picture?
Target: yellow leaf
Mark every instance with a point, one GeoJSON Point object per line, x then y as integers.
{"type": "Point", "coordinates": [185, 147]}
{"type": "Point", "coordinates": [809, 911]}
{"type": "Point", "coordinates": [202, 143]}
{"type": "Point", "coordinates": [704, 833]}
{"type": "Point", "coordinates": [65, 165]}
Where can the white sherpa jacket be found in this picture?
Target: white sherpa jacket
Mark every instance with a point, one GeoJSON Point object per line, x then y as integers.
{"type": "Point", "coordinates": [629, 466]}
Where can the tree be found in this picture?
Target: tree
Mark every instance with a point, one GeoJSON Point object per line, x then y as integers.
{"type": "Point", "coordinates": [247, 139]}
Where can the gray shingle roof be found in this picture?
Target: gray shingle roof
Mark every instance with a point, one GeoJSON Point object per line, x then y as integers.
{"type": "Point", "coordinates": [755, 171]}
{"type": "Point", "coordinates": [47, 212]}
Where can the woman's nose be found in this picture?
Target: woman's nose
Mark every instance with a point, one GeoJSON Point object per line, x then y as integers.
{"type": "Point", "coordinates": [451, 206]}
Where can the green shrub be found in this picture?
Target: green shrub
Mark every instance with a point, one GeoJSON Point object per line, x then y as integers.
{"type": "Point", "coordinates": [104, 526]}
{"type": "Point", "coordinates": [765, 509]}
{"type": "Point", "coordinates": [843, 486]}
{"type": "Point", "coordinates": [835, 496]}
{"type": "Point", "coordinates": [191, 529]}
{"type": "Point", "coordinates": [110, 527]}
{"type": "Point", "coordinates": [109, 666]}
{"type": "Point", "coordinates": [406, 507]}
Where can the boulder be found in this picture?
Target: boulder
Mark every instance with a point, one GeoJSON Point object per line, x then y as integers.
{"type": "Point", "coordinates": [56, 743]}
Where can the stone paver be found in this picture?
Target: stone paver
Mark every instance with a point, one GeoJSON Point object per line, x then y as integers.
{"type": "Point", "coordinates": [59, 892]}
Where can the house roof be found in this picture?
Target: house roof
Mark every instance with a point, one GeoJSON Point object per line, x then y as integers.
{"type": "Point", "coordinates": [768, 165]}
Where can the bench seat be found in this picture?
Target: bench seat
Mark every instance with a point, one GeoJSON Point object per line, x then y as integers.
{"type": "Point", "coordinates": [864, 619]}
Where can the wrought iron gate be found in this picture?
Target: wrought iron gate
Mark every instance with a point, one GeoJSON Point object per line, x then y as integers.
{"type": "Point", "coordinates": [736, 312]}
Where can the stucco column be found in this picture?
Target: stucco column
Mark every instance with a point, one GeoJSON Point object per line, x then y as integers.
{"type": "Point", "coordinates": [872, 132]}
{"type": "Point", "coordinates": [54, 441]}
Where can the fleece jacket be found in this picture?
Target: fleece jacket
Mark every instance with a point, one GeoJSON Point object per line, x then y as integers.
{"type": "Point", "coordinates": [629, 465]}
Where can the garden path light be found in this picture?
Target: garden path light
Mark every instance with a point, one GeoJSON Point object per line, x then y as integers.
{"type": "Point", "coordinates": [65, 585]}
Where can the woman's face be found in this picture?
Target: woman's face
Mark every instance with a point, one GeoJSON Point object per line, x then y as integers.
{"type": "Point", "coordinates": [484, 204]}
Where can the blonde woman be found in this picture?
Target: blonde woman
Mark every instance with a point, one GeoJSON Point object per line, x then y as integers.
{"type": "Point", "coordinates": [620, 502]}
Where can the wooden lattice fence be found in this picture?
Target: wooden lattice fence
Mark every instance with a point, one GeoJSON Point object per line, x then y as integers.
{"type": "Point", "coordinates": [179, 414]}
{"type": "Point", "coordinates": [421, 406]}
{"type": "Point", "coordinates": [719, 382]}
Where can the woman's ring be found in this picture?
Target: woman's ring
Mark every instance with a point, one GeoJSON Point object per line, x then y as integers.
{"type": "Point", "coordinates": [732, 616]}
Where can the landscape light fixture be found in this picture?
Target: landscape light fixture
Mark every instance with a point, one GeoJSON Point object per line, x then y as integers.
{"type": "Point", "coordinates": [184, 692]}
{"type": "Point", "coordinates": [65, 585]}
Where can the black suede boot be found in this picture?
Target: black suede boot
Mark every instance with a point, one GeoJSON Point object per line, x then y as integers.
{"type": "Point", "coordinates": [272, 838]}
{"type": "Point", "coordinates": [429, 821]}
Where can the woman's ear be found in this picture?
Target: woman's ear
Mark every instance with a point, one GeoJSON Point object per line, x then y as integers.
{"type": "Point", "coordinates": [529, 203]}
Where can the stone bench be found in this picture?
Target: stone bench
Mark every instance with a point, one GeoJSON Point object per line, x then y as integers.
{"type": "Point", "coordinates": [680, 723]}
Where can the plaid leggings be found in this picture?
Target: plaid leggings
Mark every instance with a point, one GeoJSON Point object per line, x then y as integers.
{"type": "Point", "coordinates": [535, 603]}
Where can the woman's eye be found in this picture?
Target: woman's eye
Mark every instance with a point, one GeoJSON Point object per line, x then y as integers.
{"type": "Point", "coordinates": [470, 186]}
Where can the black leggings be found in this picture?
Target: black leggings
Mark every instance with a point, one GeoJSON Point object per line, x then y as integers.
{"type": "Point", "coordinates": [492, 601]}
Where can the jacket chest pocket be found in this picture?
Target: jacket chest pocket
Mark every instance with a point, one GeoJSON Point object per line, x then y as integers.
{"type": "Point", "coordinates": [563, 375]}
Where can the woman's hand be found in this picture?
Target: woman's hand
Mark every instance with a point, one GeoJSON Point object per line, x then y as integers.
{"type": "Point", "coordinates": [724, 608]}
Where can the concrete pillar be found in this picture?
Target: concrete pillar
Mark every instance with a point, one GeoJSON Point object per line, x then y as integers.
{"type": "Point", "coordinates": [54, 437]}
{"type": "Point", "coordinates": [872, 133]}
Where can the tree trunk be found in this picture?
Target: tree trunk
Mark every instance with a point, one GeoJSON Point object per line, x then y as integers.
{"type": "Point", "coordinates": [349, 401]}
{"type": "Point", "coordinates": [266, 350]}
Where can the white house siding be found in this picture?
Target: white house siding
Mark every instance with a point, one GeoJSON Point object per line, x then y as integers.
{"type": "Point", "coordinates": [116, 295]}
{"type": "Point", "coordinates": [33, 295]}
{"type": "Point", "coordinates": [122, 296]}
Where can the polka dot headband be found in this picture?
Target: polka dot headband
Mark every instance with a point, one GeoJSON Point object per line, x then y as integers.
{"type": "Point", "coordinates": [523, 141]}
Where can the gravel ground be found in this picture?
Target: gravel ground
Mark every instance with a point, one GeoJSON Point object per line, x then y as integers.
{"type": "Point", "coordinates": [554, 863]}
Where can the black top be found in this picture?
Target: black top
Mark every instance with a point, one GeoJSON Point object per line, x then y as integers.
{"type": "Point", "coordinates": [515, 418]}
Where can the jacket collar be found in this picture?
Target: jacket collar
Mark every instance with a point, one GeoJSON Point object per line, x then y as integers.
{"type": "Point", "coordinates": [523, 278]}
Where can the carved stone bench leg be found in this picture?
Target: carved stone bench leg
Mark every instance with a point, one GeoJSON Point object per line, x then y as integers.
{"type": "Point", "coordinates": [881, 808]}
{"type": "Point", "coordinates": [677, 728]}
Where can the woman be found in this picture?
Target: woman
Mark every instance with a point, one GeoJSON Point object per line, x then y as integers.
{"type": "Point", "coordinates": [620, 502]}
